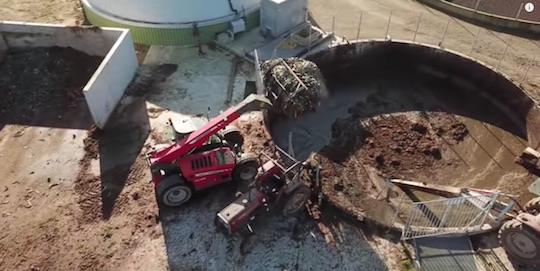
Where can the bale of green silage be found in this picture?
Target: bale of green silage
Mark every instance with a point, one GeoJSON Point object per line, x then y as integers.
{"type": "Point", "coordinates": [294, 85]}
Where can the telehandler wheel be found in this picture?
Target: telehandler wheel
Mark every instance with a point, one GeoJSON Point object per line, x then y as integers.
{"type": "Point", "coordinates": [533, 206]}
{"type": "Point", "coordinates": [246, 168]}
{"type": "Point", "coordinates": [520, 242]}
{"type": "Point", "coordinates": [173, 191]}
{"type": "Point", "coordinates": [248, 243]}
{"type": "Point", "coordinates": [297, 200]}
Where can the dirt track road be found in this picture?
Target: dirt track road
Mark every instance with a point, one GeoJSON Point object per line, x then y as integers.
{"type": "Point", "coordinates": [52, 11]}
{"type": "Point", "coordinates": [460, 36]}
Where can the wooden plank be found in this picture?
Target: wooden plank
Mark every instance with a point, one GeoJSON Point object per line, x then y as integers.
{"type": "Point", "coordinates": [441, 190]}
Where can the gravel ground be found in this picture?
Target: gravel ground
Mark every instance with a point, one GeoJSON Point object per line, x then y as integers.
{"type": "Point", "coordinates": [507, 8]}
{"type": "Point", "coordinates": [283, 244]}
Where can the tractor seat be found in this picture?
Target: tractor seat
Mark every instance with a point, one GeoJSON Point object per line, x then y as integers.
{"type": "Point", "coordinates": [273, 184]}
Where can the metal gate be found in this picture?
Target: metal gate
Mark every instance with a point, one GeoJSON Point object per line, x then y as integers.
{"type": "Point", "coordinates": [448, 216]}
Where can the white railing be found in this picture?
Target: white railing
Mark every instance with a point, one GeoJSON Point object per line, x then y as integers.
{"type": "Point", "coordinates": [459, 215]}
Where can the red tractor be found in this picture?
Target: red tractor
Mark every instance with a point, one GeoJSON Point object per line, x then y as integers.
{"type": "Point", "coordinates": [203, 156]}
{"type": "Point", "coordinates": [278, 186]}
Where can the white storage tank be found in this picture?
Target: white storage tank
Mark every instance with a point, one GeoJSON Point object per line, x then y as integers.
{"type": "Point", "coordinates": [171, 22]}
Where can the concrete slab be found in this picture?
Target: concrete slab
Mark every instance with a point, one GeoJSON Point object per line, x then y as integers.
{"type": "Point", "coordinates": [445, 254]}
{"type": "Point", "coordinates": [198, 82]}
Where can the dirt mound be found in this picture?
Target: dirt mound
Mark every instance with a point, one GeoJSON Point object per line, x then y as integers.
{"type": "Point", "coordinates": [42, 82]}
{"type": "Point", "coordinates": [392, 146]}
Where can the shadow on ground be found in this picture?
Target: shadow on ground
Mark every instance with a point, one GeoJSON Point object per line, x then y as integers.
{"type": "Point", "coordinates": [120, 145]}
{"type": "Point", "coordinates": [119, 149]}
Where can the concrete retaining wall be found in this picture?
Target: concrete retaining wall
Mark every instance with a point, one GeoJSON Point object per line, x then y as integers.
{"type": "Point", "coordinates": [91, 40]}
{"type": "Point", "coordinates": [339, 59]}
{"type": "Point", "coordinates": [489, 20]}
{"type": "Point", "coordinates": [3, 47]}
{"type": "Point", "coordinates": [108, 83]}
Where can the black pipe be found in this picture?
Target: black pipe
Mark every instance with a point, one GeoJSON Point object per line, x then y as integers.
{"type": "Point", "coordinates": [232, 8]}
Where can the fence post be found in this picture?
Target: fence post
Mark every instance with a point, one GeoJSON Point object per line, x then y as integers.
{"type": "Point", "coordinates": [475, 40]}
{"type": "Point", "coordinates": [527, 71]}
{"type": "Point", "coordinates": [359, 25]}
{"type": "Point", "coordinates": [310, 33]}
{"type": "Point", "coordinates": [504, 53]}
{"type": "Point", "coordinates": [388, 25]}
{"type": "Point", "coordinates": [291, 148]}
{"type": "Point", "coordinates": [333, 24]}
{"type": "Point", "coordinates": [519, 11]}
{"type": "Point", "coordinates": [445, 29]}
{"type": "Point", "coordinates": [417, 26]}
{"type": "Point", "coordinates": [397, 211]}
{"type": "Point", "coordinates": [477, 4]}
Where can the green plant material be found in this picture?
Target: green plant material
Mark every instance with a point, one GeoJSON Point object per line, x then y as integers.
{"type": "Point", "coordinates": [295, 89]}
{"type": "Point", "coordinates": [406, 265]}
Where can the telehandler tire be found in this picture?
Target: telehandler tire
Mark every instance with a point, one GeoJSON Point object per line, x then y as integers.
{"type": "Point", "coordinates": [173, 191]}
{"type": "Point", "coordinates": [246, 168]}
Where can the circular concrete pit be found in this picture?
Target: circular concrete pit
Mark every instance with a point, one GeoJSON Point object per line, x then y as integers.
{"type": "Point", "coordinates": [414, 112]}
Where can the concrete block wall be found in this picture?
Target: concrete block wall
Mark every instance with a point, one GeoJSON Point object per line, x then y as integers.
{"type": "Point", "coordinates": [280, 16]}
{"type": "Point", "coordinates": [107, 85]}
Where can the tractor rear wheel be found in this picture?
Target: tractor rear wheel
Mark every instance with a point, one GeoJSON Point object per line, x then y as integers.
{"type": "Point", "coordinates": [246, 168]}
{"type": "Point", "coordinates": [173, 191]}
{"type": "Point", "coordinates": [233, 136]}
{"type": "Point", "coordinates": [520, 242]}
{"type": "Point", "coordinates": [533, 206]}
{"type": "Point", "coordinates": [297, 200]}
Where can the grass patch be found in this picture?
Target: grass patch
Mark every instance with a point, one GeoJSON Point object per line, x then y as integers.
{"type": "Point", "coordinates": [406, 265]}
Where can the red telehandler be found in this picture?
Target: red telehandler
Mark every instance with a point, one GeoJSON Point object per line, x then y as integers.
{"type": "Point", "coordinates": [204, 157]}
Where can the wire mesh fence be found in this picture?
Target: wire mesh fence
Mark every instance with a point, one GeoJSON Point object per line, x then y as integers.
{"type": "Point", "coordinates": [511, 55]}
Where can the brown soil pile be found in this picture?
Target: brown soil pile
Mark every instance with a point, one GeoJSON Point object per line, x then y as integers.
{"type": "Point", "coordinates": [42, 82]}
{"type": "Point", "coordinates": [396, 146]}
